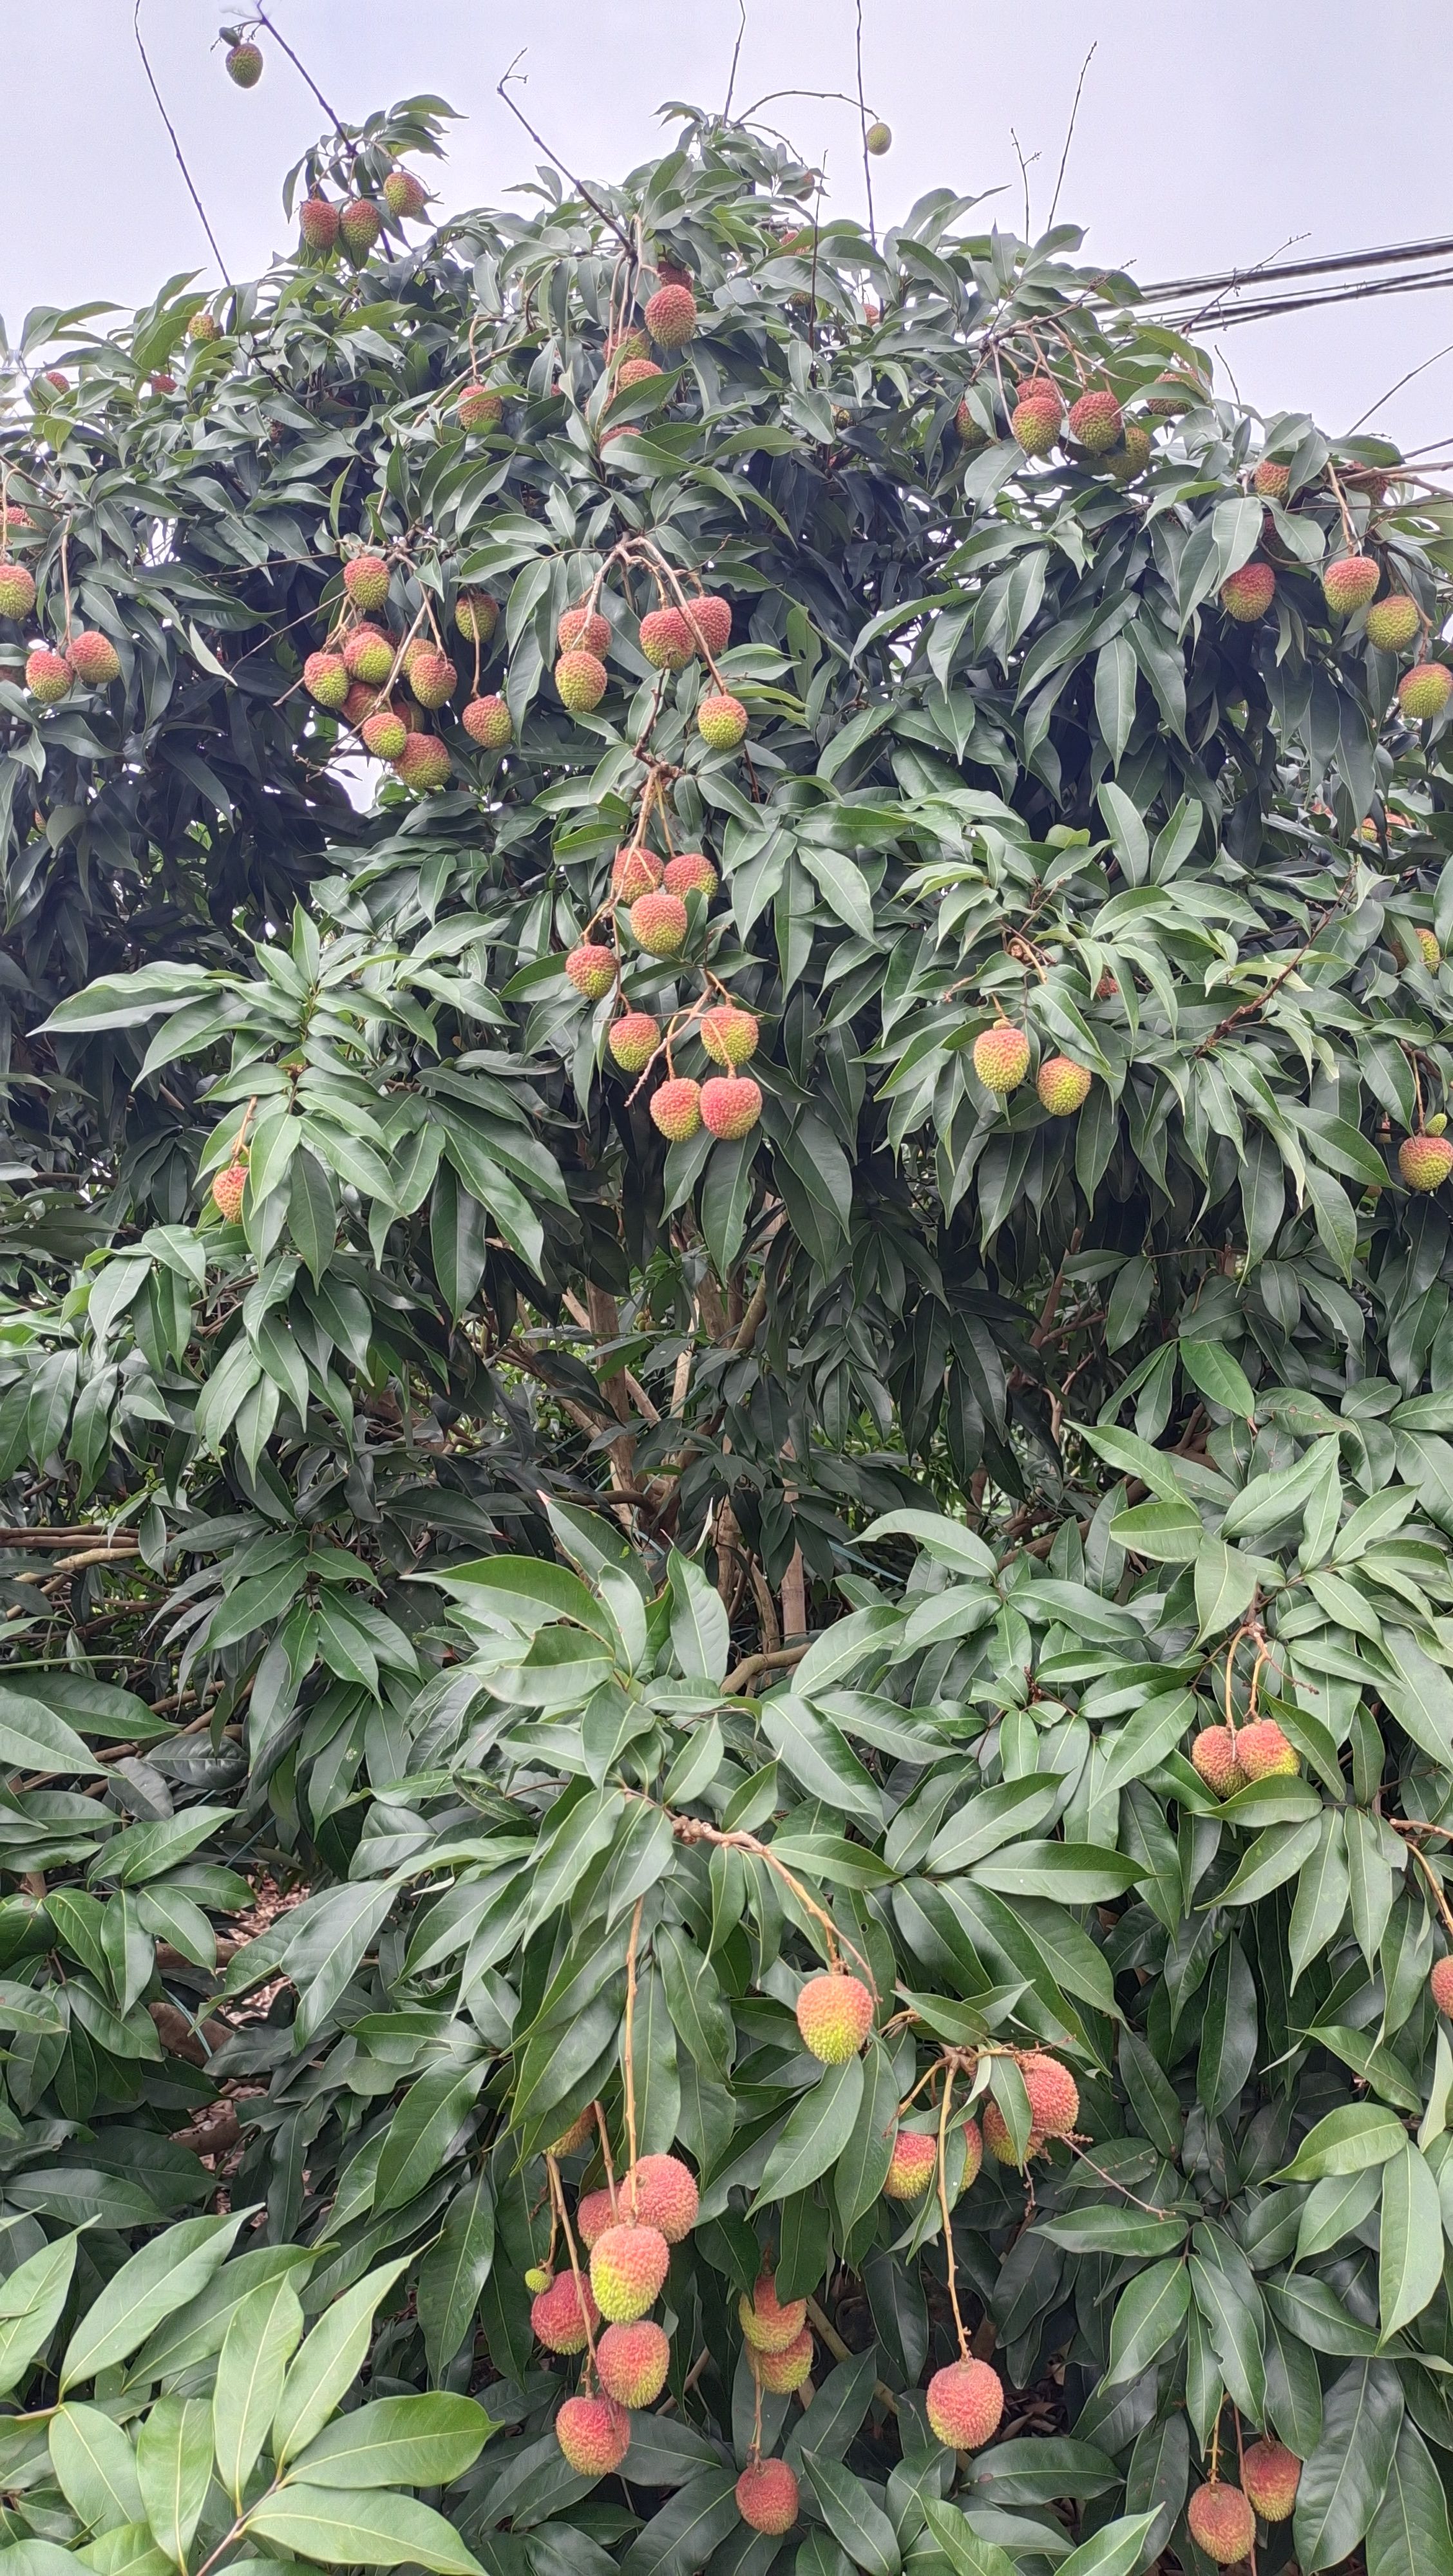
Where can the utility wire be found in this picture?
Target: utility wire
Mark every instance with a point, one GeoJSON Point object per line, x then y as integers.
{"type": "Point", "coordinates": [1174, 289]}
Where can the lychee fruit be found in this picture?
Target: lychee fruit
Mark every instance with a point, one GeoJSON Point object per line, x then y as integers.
{"type": "Point", "coordinates": [912, 2166]}
{"type": "Point", "coordinates": [488, 722]}
{"type": "Point", "coordinates": [1001, 1057]}
{"type": "Point", "coordinates": [625, 344]}
{"type": "Point", "coordinates": [731, 1105]}
{"type": "Point", "coordinates": [769, 2323]}
{"type": "Point", "coordinates": [537, 2277]}
{"type": "Point", "coordinates": [594, 2433]}
{"type": "Point", "coordinates": [591, 969]}
{"type": "Point", "coordinates": [671, 316]}
{"type": "Point", "coordinates": [676, 1108]}
{"type": "Point", "coordinates": [365, 578]}
{"type": "Point", "coordinates": [1248, 594]}
{"type": "Point", "coordinates": [1174, 392]}
{"type": "Point", "coordinates": [17, 590]}
{"type": "Point", "coordinates": [1036, 425]}
{"type": "Point", "coordinates": [1428, 949]}
{"type": "Point", "coordinates": [318, 224]}
{"type": "Point", "coordinates": [361, 701]}
{"type": "Point", "coordinates": [973, 2152]}
{"type": "Point", "coordinates": [325, 677]}
{"type": "Point", "coordinates": [578, 2135]}
{"type": "Point", "coordinates": [1424, 1161]}
{"type": "Point", "coordinates": [94, 658]}
{"type": "Point", "coordinates": [596, 2212]}
{"type": "Point", "coordinates": [660, 2191]}
{"type": "Point", "coordinates": [767, 2496]}
{"type": "Point", "coordinates": [628, 2265]}
{"type": "Point", "coordinates": [565, 2316]}
{"type": "Point", "coordinates": [1423, 692]}
{"type": "Point", "coordinates": [1261, 1748]}
{"type": "Point", "coordinates": [969, 426]}
{"type": "Point", "coordinates": [691, 872]}
{"type": "Point", "coordinates": [432, 677]}
{"type": "Point", "coordinates": [479, 407]}
{"type": "Point", "coordinates": [721, 722]}
{"type": "Point", "coordinates": [244, 64]}
{"type": "Point", "coordinates": [1132, 455]}
{"type": "Point", "coordinates": [52, 376]}
{"type": "Point", "coordinates": [1271, 480]}
{"type": "Point", "coordinates": [631, 2362]}
{"type": "Point", "coordinates": [1270, 2477]}
{"type": "Point", "coordinates": [423, 762]}
{"type": "Point", "coordinates": [1393, 622]}
{"type": "Point", "coordinates": [636, 371]}
{"type": "Point", "coordinates": [878, 139]}
{"type": "Point", "coordinates": [368, 655]}
{"type": "Point", "coordinates": [667, 640]}
{"type": "Point", "coordinates": [1440, 1985]}
{"type": "Point", "coordinates": [476, 615]}
{"type": "Point", "coordinates": [834, 2010]}
{"type": "Point", "coordinates": [1221, 2522]}
{"type": "Point", "coordinates": [384, 733]}
{"type": "Point", "coordinates": [1349, 583]}
{"type": "Point", "coordinates": [580, 680]}
{"type": "Point", "coordinates": [204, 328]}
{"type": "Point", "coordinates": [1054, 2096]}
{"type": "Point", "coordinates": [659, 923]}
{"type": "Point", "coordinates": [633, 1040]}
{"type": "Point", "coordinates": [999, 2142]}
{"type": "Point", "coordinates": [964, 2404]}
{"type": "Point", "coordinates": [48, 675]}
{"type": "Point", "coordinates": [583, 630]}
{"type": "Point", "coordinates": [635, 871]}
{"type": "Point", "coordinates": [359, 226]}
{"type": "Point", "coordinates": [781, 2372]}
{"type": "Point", "coordinates": [710, 620]}
{"type": "Point", "coordinates": [1062, 1085]}
{"type": "Point", "coordinates": [405, 195]}
{"type": "Point", "coordinates": [1214, 1757]}
{"type": "Point", "coordinates": [1039, 388]}
{"type": "Point", "coordinates": [13, 519]}
{"type": "Point", "coordinates": [730, 1036]}
{"type": "Point", "coordinates": [1096, 421]}
{"type": "Point", "coordinates": [227, 1188]}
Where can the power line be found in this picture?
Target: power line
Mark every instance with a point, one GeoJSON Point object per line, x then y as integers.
{"type": "Point", "coordinates": [1177, 289]}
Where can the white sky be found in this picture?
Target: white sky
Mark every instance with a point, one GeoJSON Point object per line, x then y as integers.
{"type": "Point", "coordinates": [1207, 136]}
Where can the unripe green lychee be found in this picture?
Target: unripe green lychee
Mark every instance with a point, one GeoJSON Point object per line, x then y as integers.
{"type": "Point", "coordinates": [368, 655]}
{"type": "Point", "coordinates": [671, 316]}
{"type": "Point", "coordinates": [1393, 622]}
{"type": "Point", "coordinates": [691, 872]}
{"type": "Point", "coordinates": [537, 2277]}
{"type": "Point", "coordinates": [365, 578]}
{"type": "Point", "coordinates": [1271, 480]}
{"type": "Point", "coordinates": [580, 680]}
{"type": "Point", "coordinates": [432, 677]}
{"type": "Point", "coordinates": [1423, 692]}
{"type": "Point", "coordinates": [1036, 425]}
{"type": "Point", "coordinates": [384, 733]}
{"type": "Point", "coordinates": [767, 2496]}
{"type": "Point", "coordinates": [318, 224]}
{"type": "Point", "coordinates": [325, 677]}
{"type": "Point", "coordinates": [999, 2142]}
{"type": "Point", "coordinates": [405, 195]}
{"type": "Point", "coordinates": [770, 2324]}
{"type": "Point", "coordinates": [244, 64]}
{"type": "Point", "coordinates": [1440, 1984]}
{"type": "Point", "coordinates": [676, 1108]}
{"type": "Point", "coordinates": [633, 1040]}
{"type": "Point", "coordinates": [635, 871]}
{"type": "Point", "coordinates": [1174, 392]}
{"type": "Point", "coordinates": [359, 226]}
{"type": "Point", "coordinates": [625, 345]}
{"type": "Point", "coordinates": [729, 1035]}
{"type": "Point", "coordinates": [912, 2166]}
{"type": "Point", "coordinates": [479, 407]}
{"type": "Point", "coordinates": [1096, 420]}
{"type": "Point", "coordinates": [1270, 2477]}
{"type": "Point", "coordinates": [595, 2213]}
{"type": "Point", "coordinates": [591, 969]}
{"type": "Point", "coordinates": [878, 139]}
{"type": "Point", "coordinates": [1214, 1757]}
{"type": "Point", "coordinates": [1062, 1085]}
{"type": "Point", "coordinates": [488, 722]}
{"type": "Point", "coordinates": [1001, 1057]}
{"type": "Point", "coordinates": [834, 2010]}
{"type": "Point", "coordinates": [476, 615]}
{"type": "Point", "coordinates": [594, 2433]}
{"type": "Point", "coordinates": [667, 640]}
{"type": "Point", "coordinates": [48, 675]}
{"type": "Point", "coordinates": [1221, 2522]}
{"type": "Point", "coordinates": [423, 762]}
{"type": "Point", "coordinates": [1349, 583]}
{"type": "Point", "coordinates": [782, 2372]}
{"type": "Point", "coordinates": [1054, 2096]}
{"type": "Point", "coordinates": [731, 1105]}
{"type": "Point", "coordinates": [94, 658]}
{"type": "Point", "coordinates": [710, 619]}
{"type": "Point", "coordinates": [628, 2266]}
{"type": "Point", "coordinates": [969, 426]}
{"type": "Point", "coordinates": [565, 2316]}
{"type": "Point", "coordinates": [1425, 1161]}
{"type": "Point", "coordinates": [659, 923]}
{"type": "Point", "coordinates": [17, 590]}
{"type": "Point", "coordinates": [583, 630]}
{"type": "Point", "coordinates": [631, 2362]}
{"type": "Point", "coordinates": [660, 2191]}
{"type": "Point", "coordinates": [227, 1188]}
{"type": "Point", "coordinates": [964, 2404]}
{"type": "Point", "coordinates": [721, 722]}
{"type": "Point", "coordinates": [1248, 594]}
{"type": "Point", "coordinates": [1261, 1748]}
{"type": "Point", "coordinates": [973, 2152]}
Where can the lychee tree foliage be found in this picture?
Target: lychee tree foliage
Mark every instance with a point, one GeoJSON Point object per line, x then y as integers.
{"type": "Point", "coordinates": [987, 2060]}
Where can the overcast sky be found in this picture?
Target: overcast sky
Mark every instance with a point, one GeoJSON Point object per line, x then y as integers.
{"type": "Point", "coordinates": [1207, 136]}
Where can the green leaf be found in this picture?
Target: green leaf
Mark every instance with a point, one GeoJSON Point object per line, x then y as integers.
{"type": "Point", "coordinates": [817, 2130]}
{"type": "Point", "coordinates": [1410, 2527]}
{"type": "Point", "coordinates": [1344, 2481]}
{"type": "Point", "coordinates": [262, 2337]}
{"type": "Point", "coordinates": [1410, 2259]}
{"type": "Point", "coordinates": [857, 2524]}
{"type": "Point", "coordinates": [1225, 1588]}
{"type": "Point", "coordinates": [95, 2467]}
{"type": "Point", "coordinates": [700, 1635]}
{"type": "Point", "coordinates": [1346, 2141]}
{"type": "Point", "coordinates": [1149, 2312]}
{"type": "Point", "coordinates": [367, 2530]}
{"type": "Point", "coordinates": [32, 2298]}
{"type": "Point", "coordinates": [1115, 2551]}
{"type": "Point", "coordinates": [174, 2470]}
{"type": "Point", "coordinates": [1221, 1379]}
{"type": "Point", "coordinates": [328, 2364]}
{"type": "Point", "coordinates": [454, 2271]}
{"type": "Point", "coordinates": [422, 2131]}
{"type": "Point", "coordinates": [154, 2284]}
{"type": "Point", "coordinates": [398, 2441]}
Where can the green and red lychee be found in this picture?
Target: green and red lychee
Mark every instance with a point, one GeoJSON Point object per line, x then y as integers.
{"type": "Point", "coordinates": [1423, 692]}
{"type": "Point", "coordinates": [1349, 583]}
{"type": "Point", "coordinates": [1424, 1161]}
{"type": "Point", "coordinates": [1213, 1755]}
{"type": "Point", "coordinates": [1271, 480]}
{"type": "Point", "coordinates": [1036, 425]}
{"type": "Point", "coordinates": [359, 226]}
{"type": "Point", "coordinates": [1270, 2477]}
{"type": "Point", "coordinates": [659, 923]}
{"type": "Point", "coordinates": [1096, 422]}
{"type": "Point", "coordinates": [770, 2324]}
{"type": "Point", "coordinates": [565, 2316]}
{"type": "Point", "coordinates": [94, 658]}
{"type": "Point", "coordinates": [325, 677]}
{"type": "Point", "coordinates": [635, 371]}
{"type": "Point", "coordinates": [405, 195]}
{"type": "Point", "coordinates": [1440, 1984]}
{"type": "Point", "coordinates": [244, 63]}
{"type": "Point", "coordinates": [667, 640]}
{"type": "Point", "coordinates": [432, 676]}
{"type": "Point", "coordinates": [731, 1105]}
{"type": "Point", "coordinates": [1261, 1748]}
{"type": "Point", "coordinates": [365, 578]}
{"type": "Point", "coordinates": [424, 762]}
{"type": "Point", "coordinates": [964, 2403]}
{"type": "Point", "coordinates": [1063, 1086]}
{"type": "Point", "coordinates": [628, 2266]}
{"type": "Point", "coordinates": [1221, 2523]}
{"type": "Point", "coordinates": [660, 2191]}
{"type": "Point", "coordinates": [1248, 594]}
{"type": "Point", "coordinates": [479, 407]}
{"type": "Point", "coordinates": [1000, 2143]}
{"type": "Point", "coordinates": [228, 1186]}
{"type": "Point", "coordinates": [676, 1108]}
{"type": "Point", "coordinates": [721, 721]}
{"type": "Point", "coordinates": [767, 2496]}
{"type": "Point", "coordinates": [17, 590]}
{"type": "Point", "coordinates": [580, 681]}
{"type": "Point", "coordinates": [384, 733]}
{"type": "Point", "coordinates": [594, 2215]}
{"type": "Point", "coordinates": [368, 655]}
{"type": "Point", "coordinates": [594, 2433]}
{"type": "Point", "coordinates": [476, 615]}
{"type": "Point", "coordinates": [780, 2373]}
{"type": "Point", "coordinates": [671, 316]}
{"type": "Point", "coordinates": [318, 224]}
{"type": "Point", "coordinates": [1054, 2096]}
{"type": "Point", "coordinates": [48, 675]}
{"type": "Point", "coordinates": [591, 969]}
{"type": "Point", "coordinates": [691, 872]}
{"type": "Point", "coordinates": [834, 2010]}
{"type": "Point", "coordinates": [583, 630]}
{"type": "Point", "coordinates": [730, 1036]}
{"type": "Point", "coordinates": [635, 871]}
{"type": "Point", "coordinates": [631, 2362]}
{"type": "Point", "coordinates": [1001, 1057]}
{"type": "Point", "coordinates": [912, 2165]}
{"type": "Point", "coordinates": [1393, 622]}
{"type": "Point", "coordinates": [973, 2152]}
{"type": "Point", "coordinates": [488, 722]}
{"type": "Point", "coordinates": [578, 2135]}
{"type": "Point", "coordinates": [633, 1040]}
{"type": "Point", "coordinates": [710, 619]}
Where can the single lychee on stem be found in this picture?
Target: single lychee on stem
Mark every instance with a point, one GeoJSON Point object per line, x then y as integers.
{"type": "Point", "coordinates": [834, 2011]}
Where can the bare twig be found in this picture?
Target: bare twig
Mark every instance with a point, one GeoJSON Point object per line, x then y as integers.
{"type": "Point", "coordinates": [736, 58]}
{"type": "Point", "coordinates": [301, 68]}
{"type": "Point", "coordinates": [1069, 138]}
{"type": "Point", "coordinates": [1397, 388]}
{"type": "Point", "coordinates": [1024, 170]}
{"type": "Point", "coordinates": [863, 121]}
{"type": "Point", "coordinates": [175, 144]}
{"type": "Point", "coordinates": [502, 91]}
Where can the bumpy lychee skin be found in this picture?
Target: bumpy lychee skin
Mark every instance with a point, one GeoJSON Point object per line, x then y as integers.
{"type": "Point", "coordinates": [1172, 393]}
{"type": "Point", "coordinates": [671, 316]}
{"type": "Point", "coordinates": [731, 1105]}
{"type": "Point", "coordinates": [1096, 420]}
{"type": "Point", "coordinates": [834, 2011]}
{"type": "Point", "coordinates": [1036, 425]}
{"type": "Point", "coordinates": [423, 763]}
{"type": "Point", "coordinates": [94, 658]}
{"type": "Point", "coordinates": [432, 678]}
{"type": "Point", "coordinates": [767, 2496]}
{"type": "Point", "coordinates": [203, 329]}
{"type": "Point", "coordinates": [1132, 455]}
{"type": "Point", "coordinates": [1271, 480]}
{"type": "Point", "coordinates": [244, 65]}
{"type": "Point", "coordinates": [363, 701]}
{"type": "Point", "coordinates": [1424, 691]}
{"type": "Point", "coordinates": [1054, 2096]}
{"type": "Point", "coordinates": [359, 226]}
{"type": "Point", "coordinates": [227, 1188]}
{"type": "Point", "coordinates": [1221, 2522]}
{"type": "Point", "coordinates": [964, 2404]}
{"type": "Point", "coordinates": [1261, 1748]}
{"type": "Point", "coordinates": [384, 733]}
{"type": "Point", "coordinates": [676, 1108]}
{"type": "Point", "coordinates": [1063, 1086]}
{"type": "Point", "coordinates": [691, 872]}
{"type": "Point", "coordinates": [1425, 1161]}
{"type": "Point", "coordinates": [325, 677]}
{"type": "Point", "coordinates": [1428, 949]}
{"type": "Point", "coordinates": [476, 615]}
{"type": "Point", "coordinates": [580, 680]}
{"type": "Point", "coordinates": [1270, 2477]}
{"type": "Point", "coordinates": [1214, 1756]}
{"type": "Point", "coordinates": [479, 407]}
{"type": "Point", "coordinates": [667, 640]}
{"type": "Point", "coordinates": [968, 425]}
{"type": "Point", "coordinates": [659, 923]}
{"type": "Point", "coordinates": [710, 620]}
{"type": "Point", "coordinates": [721, 722]}
{"type": "Point", "coordinates": [365, 578]}
{"type": "Point", "coordinates": [973, 2152]}
{"type": "Point", "coordinates": [627, 2268]}
{"type": "Point", "coordinates": [1440, 1985]}
{"type": "Point", "coordinates": [781, 2372]}
{"type": "Point", "coordinates": [368, 655]}
{"type": "Point", "coordinates": [583, 630]}
{"type": "Point", "coordinates": [48, 675]}
{"type": "Point", "coordinates": [999, 2142]}
{"type": "Point", "coordinates": [636, 371]}
{"type": "Point", "coordinates": [591, 969]}
{"type": "Point", "coordinates": [1349, 583]}
{"type": "Point", "coordinates": [631, 2362]}
{"type": "Point", "coordinates": [1248, 594]}
{"type": "Point", "coordinates": [1393, 622]}
{"type": "Point", "coordinates": [537, 2278]}
{"type": "Point", "coordinates": [17, 590]}
{"type": "Point", "coordinates": [912, 2165]}
{"type": "Point", "coordinates": [1001, 1057]}
{"type": "Point", "coordinates": [635, 871]}
{"type": "Point", "coordinates": [488, 722]}
{"type": "Point", "coordinates": [769, 2323]}
{"type": "Point", "coordinates": [565, 2316]}
{"type": "Point", "coordinates": [730, 1036]}
{"type": "Point", "coordinates": [318, 224]}
{"type": "Point", "coordinates": [405, 195]}
{"type": "Point", "coordinates": [660, 2191]}
{"type": "Point", "coordinates": [594, 2433]}
{"type": "Point", "coordinates": [594, 2215]}
{"type": "Point", "coordinates": [633, 1040]}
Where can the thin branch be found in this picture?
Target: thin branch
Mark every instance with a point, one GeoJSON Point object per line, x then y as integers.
{"type": "Point", "coordinates": [1397, 389]}
{"type": "Point", "coordinates": [301, 68]}
{"type": "Point", "coordinates": [863, 121]}
{"type": "Point", "coordinates": [176, 146]}
{"type": "Point", "coordinates": [1069, 138]}
{"type": "Point", "coordinates": [1024, 170]}
{"type": "Point", "coordinates": [766, 100]}
{"type": "Point", "coordinates": [502, 91]}
{"type": "Point", "coordinates": [736, 58]}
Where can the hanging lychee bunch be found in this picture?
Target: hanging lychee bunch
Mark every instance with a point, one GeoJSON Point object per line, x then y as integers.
{"type": "Point", "coordinates": [318, 224]}
{"type": "Point", "coordinates": [1213, 1756]}
{"type": "Point", "coordinates": [1038, 414]}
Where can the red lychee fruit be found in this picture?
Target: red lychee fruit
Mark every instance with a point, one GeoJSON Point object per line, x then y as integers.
{"type": "Point", "coordinates": [365, 578]}
{"type": "Point", "coordinates": [476, 615]}
{"type": "Point", "coordinates": [594, 2433]}
{"type": "Point", "coordinates": [1424, 1161]}
{"type": "Point", "coordinates": [591, 969]}
{"type": "Point", "coordinates": [13, 520]}
{"type": "Point", "coordinates": [635, 871]}
{"type": "Point", "coordinates": [1096, 421]}
{"type": "Point", "coordinates": [17, 590]}
{"type": "Point", "coordinates": [244, 64]}
{"type": "Point", "coordinates": [999, 2142]}
{"type": "Point", "coordinates": [1063, 1086]}
{"type": "Point", "coordinates": [580, 680]}
{"type": "Point", "coordinates": [432, 677]}
{"type": "Point", "coordinates": [479, 407]}
{"type": "Point", "coordinates": [384, 733]}
{"type": "Point", "coordinates": [361, 701]}
{"type": "Point", "coordinates": [1001, 1057]}
{"type": "Point", "coordinates": [632, 2361]}
{"type": "Point", "coordinates": [423, 762]}
{"type": "Point", "coordinates": [227, 1188]}
{"type": "Point", "coordinates": [1440, 1984]}
{"type": "Point", "coordinates": [405, 195]}
{"type": "Point", "coordinates": [1270, 2477]}
{"type": "Point", "coordinates": [1248, 594]}
{"type": "Point", "coordinates": [48, 675]}
{"type": "Point", "coordinates": [325, 677]}
{"type": "Point", "coordinates": [659, 923]}
{"type": "Point", "coordinates": [627, 2268]}
{"type": "Point", "coordinates": [721, 722]}
{"type": "Point", "coordinates": [368, 655]}
{"type": "Point", "coordinates": [671, 316]}
{"type": "Point", "coordinates": [912, 2166]}
{"type": "Point", "coordinates": [1393, 622]}
{"type": "Point", "coordinates": [1221, 2522]}
{"type": "Point", "coordinates": [1054, 2096]}
{"type": "Point", "coordinates": [94, 658]}
{"type": "Point", "coordinates": [964, 2404]}
{"type": "Point", "coordinates": [834, 2010]}
{"type": "Point", "coordinates": [594, 2215]}
{"type": "Point", "coordinates": [731, 1105]}
{"type": "Point", "coordinates": [1214, 1756]}
{"type": "Point", "coordinates": [676, 1108]}
{"type": "Point", "coordinates": [163, 383]}
{"type": "Point", "coordinates": [1349, 583]}
{"type": "Point", "coordinates": [1263, 1751]}
{"type": "Point", "coordinates": [488, 722]}
{"type": "Point", "coordinates": [1036, 425]}
{"type": "Point", "coordinates": [782, 2372]}
{"type": "Point", "coordinates": [767, 2496]}
{"type": "Point", "coordinates": [318, 224]}
{"type": "Point", "coordinates": [1039, 388]}
{"type": "Point", "coordinates": [633, 1040]}
{"type": "Point", "coordinates": [583, 630]}
{"type": "Point", "coordinates": [660, 2191]}
{"type": "Point", "coordinates": [729, 1035]}
{"type": "Point", "coordinates": [565, 2316]}
{"type": "Point", "coordinates": [1271, 480]}
{"type": "Point", "coordinates": [691, 872]}
{"type": "Point", "coordinates": [636, 371]}
{"type": "Point", "coordinates": [711, 621]}
{"type": "Point", "coordinates": [769, 2323]}
{"type": "Point", "coordinates": [667, 640]}
{"type": "Point", "coordinates": [359, 226]}
{"type": "Point", "coordinates": [1423, 691]}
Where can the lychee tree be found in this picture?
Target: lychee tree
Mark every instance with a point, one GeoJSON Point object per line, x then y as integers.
{"type": "Point", "coordinates": [725, 1402]}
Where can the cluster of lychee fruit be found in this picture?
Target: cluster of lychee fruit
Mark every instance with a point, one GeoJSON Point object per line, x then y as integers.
{"type": "Point", "coordinates": [1001, 1061]}
{"type": "Point", "coordinates": [1228, 1758]}
{"type": "Point", "coordinates": [1092, 429]}
{"type": "Point", "coordinates": [89, 657]}
{"type": "Point", "coordinates": [670, 637]}
{"type": "Point", "coordinates": [1221, 2519]}
{"type": "Point", "coordinates": [357, 676]}
{"type": "Point", "coordinates": [355, 225]}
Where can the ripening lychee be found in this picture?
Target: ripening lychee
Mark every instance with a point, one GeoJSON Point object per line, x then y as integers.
{"type": "Point", "coordinates": [580, 680]}
{"type": "Point", "coordinates": [659, 923]}
{"type": "Point", "coordinates": [731, 1105]}
{"type": "Point", "coordinates": [94, 658]}
{"type": "Point", "coordinates": [633, 1040]}
{"type": "Point", "coordinates": [594, 2215]}
{"type": "Point", "coordinates": [423, 762]}
{"type": "Point", "coordinates": [676, 1108]}
{"type": "Point", "coordinates": [1096, 420]}
{"type": "Point", "coordinates": [1221, 2522]}
{"type": "Point", "coordinates": [770, 2324]}
{"type": "Point", "coordinates": [537, 2277]}
{"type": "Point", "coordinates": [1248, 594]}
{"type": "Point", "coordinates": [631, 2362]}
{"type": "Point", "coordinates": [432, 677]}
{"type": "Point", "coordinates": [1062, 1085]}
{"type": "Point", "coordinates": [591, 969]}
{"type": "Point", "coordinates": [1270, 2477]}
{"type": "Point", "coordinates": [667, 640]}
{"type": "Point", "coordinates": [582, 630]}
{"type": "Point", "coordinates": [767, 2496]}
{"type": "Point", "coordinates": [1001, 1057]}
{"type": "Point", "coordinates": [878, 139]}
{"type": "Point", "coordinates": [244, 64]}
{"type": "Point", "coordinates": [964, 2404]}
{"type": "Point", "coordinates": [671, 316]}
{"type": "Point", "coordinates": [405, 195]}
{"type": "Point", "coordinates": [968, 425]}
{"type": "Point", "coordinates": [476, 615]}
{"type": "Point", "coordinates": [48, 675]}
{"type": "Point", "coordinates": [1054, 2096]}
{"type": "Point", "coordinates": [1440, 1984]}
{"type": "Point", "coordinates": [1261, 1748]}
{"type": "Point", "coordinates": [1349, 583]}
{"type": "Point", "coordinates": [1132, 455]}
{"type": "Point", "coordinates": [1271, 480]}
{"type": "Point", "coordinates": [1393, 622]}
{"type": "Point", "coordinates": [721, 722]}
{"type": "Point", "coordinates": [594, 2433]}
{"type": "Point", "coordinates": [368, 655]}
{"type": "Point", "coordinates": [625, 345]}
{"type": "Point", "coordinates": [578, 2135]}
{"type": "Point", "coordinates": [1429, 949]}
{"type": "Point", "coordinates": [999, 2142]}
{"type": "Point", "coordinates": [1036, 425]}
{"type": "Point", "coordinates": [384, 733]}
{"type": "Point", "coordinates": [710, 620]}
{"type": "Point", "coordinates": [17, 590]}
{"type": "Point", "coordinates": [1174, 392]}
{"type": "Point", "coordinates": [834, 2010]}
{"type": "Point", "coordinates": [1214, 1757]}
{"type": "Point", "coordinates": [565, 2316]}
{"type": "Point", "coordinates": [627, 2268]}
{"type": "Point", "coordinates": [636, 371]}
{"type": "Point", "coordinates": [365, 578]}
{"type": "Point", "coordinates": [635, 871]}
{"type": "Point", "coordinates": [362, 701]}
{"type": "Point", "coordinates": [325, 677]}
{"type": "Point", "coordinates": [1423, 692]}
{"type": "Point", "coordinates": [14, 520]}
{"type": "Point", "coordinates": [729, 1035]}
{"type": "Point", "coordinates": [660, 2191]}
{"type": "Point", "coordinates": [691, 872]}
{"type": "Point", "coordinates": [488, 722]}
{"type": "Point", "coordinates": [1424, 1161]}
{"type": "Point", "coordinates": [318, 224]}
{"type": "Point", "coordinates": [359, 226]}
{"type": "Point", "coordinates": [227, 1188]}
{"type": "Point", "coordinates": [479, 407]}
{"type": "Point", "coordinates": [912, 2165]}
{"type": "Point", "coordinates": [782, 2372]}
{"type": "Point", "coordinates": [973, 2152]}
